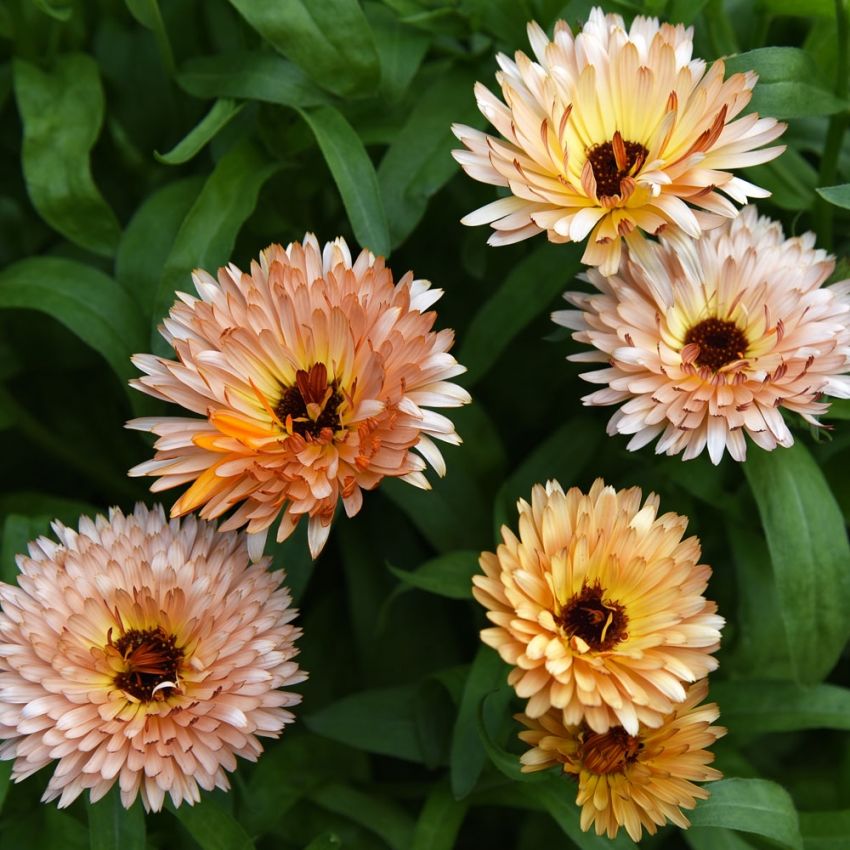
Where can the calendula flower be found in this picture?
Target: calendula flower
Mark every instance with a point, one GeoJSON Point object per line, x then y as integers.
{"type": "Point", "coordinates": [314, 374]}
{"type": "Point", "coordinates": [612, 133]}
{"type": "Point", "coordinates": [598, 607]}
{"type": "Point", "coordinates": [706, 341]}
{"type": "Point", "coordinates": [143, 652]}
{"type": "Point", "coordinates": [637, 781]}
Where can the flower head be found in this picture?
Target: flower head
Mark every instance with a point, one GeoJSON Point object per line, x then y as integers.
{"type": "Point", "coordinates": [598, 606]}
{"type": "Point", "coordinates": [612, 133]}
{"type": "Point", "coordinates": [314, 374]}
{"type": "Point", "coordinates": [637, 781]}
{"type": "Point", "coordinates": [142, 652]}
{"type": "Point", "coordinates": [706, 341]}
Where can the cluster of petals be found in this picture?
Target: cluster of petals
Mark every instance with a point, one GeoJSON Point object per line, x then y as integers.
{"type": "Point", "coordinates": [705, 341]}
{"type": "Point", "coordinates": [314, 374]}
{"type": "Point", "coordinates": [638, 781]}
{"type": "Point", "coordinates": [613, 133]}
{"type": "Point", "coordinates": [143, 652]}
{"type": "Point", "coordinates": [597, 605]}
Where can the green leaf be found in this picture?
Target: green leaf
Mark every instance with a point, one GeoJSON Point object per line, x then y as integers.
{"type": "Point", "coordinates": [325, 841]}
{"type": "Point", "coordinates": [757, 706]}
{"type": "Point", "coordinates": [825, 830]}
{"type": "Point", "coordinates": [419, 161]}
{"type": "Point", "coordinates": [330, 40]}
{"type": "Point", "coordinates": [800, 8]}
{"type": "Point", "coordinates": [715, 838]}
{"type": "Point", "coordinates": [250, 76]}
{"type": "Point", "coordinates": [147, 13]}
{"type": "Point", "coordinates": [112, 827]}
{"type": "Point", "coordinates": [60, 11]}
{"type": "Point", "coordinates": [439, 821]}
{"type": "Point", "coordinates": [838, 196]}
{"type": "Point", "coordinates": [222, 112]}
{"type": "Point", "coordinates": [810, 554]}
{"type": "Point", "coordinates": [148, 238]}
{"type": "Point", "coordinates": [791, 180]}
{"type": "Point", "coordinates": [468, 755]}
{"type": "Point", "coordinates": [62, 112]}
{"type": "Point", "coordinates": [751, 805]}
{"type": "Point", "coordinates": [401, 49]}
{"type": "Point", "coordinates": [5, 781]}
{"type": "Point", "coordinates": [447, 575]}
{"type": "Point", "coordinates": [354, 175]}
{"type": "Point", "coordinates": [212, 827]}
{"type": "Point", "coordinates": [90, 304]}
{"type": "Point", "coordinates": [527, 291]}
{"type": "Point", "coordinates": [207, 235]}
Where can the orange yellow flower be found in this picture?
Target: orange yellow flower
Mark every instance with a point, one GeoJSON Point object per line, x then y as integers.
{"type": "Point", "coordinates": [613, 133]}
{"type": "Point", "coordinates": [635, 781]}
{"type": "Point", "coordinates": [706, 341]}
{"type": "Point", "coordinates": [145, 653]}
{"type": "Point", "coordinates": [314, 374]}
{"type": "Point", "coordinates": [598, 606]}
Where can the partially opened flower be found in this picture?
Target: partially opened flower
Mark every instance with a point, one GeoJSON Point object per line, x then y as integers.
{"type": "Point", "coordinates": [612, 133]}
{"type": "Point", "coordinates": [636, 781]}
{"type": "Point", "coordinates": [145, 653]}
{"type": "Point", "coordinates": [598, 606]}
{"type": "Point", "coordinates": [707, 341]}
{"type": "Point", "coordinates": [314, 374]}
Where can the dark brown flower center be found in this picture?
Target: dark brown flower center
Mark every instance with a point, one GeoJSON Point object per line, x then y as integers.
{"type": "Point", "coordinates": [311, 404]}
{"type": "Point", "coordinates": [599, 622]}
{"type": "Point", "coordinates": [152, 658]}
{"type": "Point", "coordinates": [608, 752]}
{"type": "Point", "coordinates": [720, 342]}
{"type": "Point", "coordinates": [614, 160]}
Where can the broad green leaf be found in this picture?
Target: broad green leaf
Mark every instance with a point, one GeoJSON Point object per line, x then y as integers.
{"type": "Point", "coordinates": [791, 180]}
{"type": "Point", "coordinates": [62, 112]}
{"type": "Point", "coordinates": [528, 290]}
{"type": "Point", "coordinates": [147, 239]}
{"type": "Point", "coordinates": [439, 821]}
{"type": "Point", "coordinates": [330, 40]}
{"type": "Point", "coordinates": [838, 196]}
{"type": "Point", "coordinates": [715, 838]}
{"type": "Point", "coordinates": [354, 176]}
{"type": "Point", "coordinates": [810, 554]}
{"type": "Point", "coordinates": [825, 830]}
{"type": "Point", "coordinates": [419, 161]}
{"type": "Point", "coordinates": [60, 10]}
{"type": "Point", "coordinates": [223, 111]}
{"type": "Point", "coordinates": [250, 76]}
{"type": "Point", "coordinates": [207, 234]}
{"type": "Point", "coordinates": [758, 706]}
{"type": "Point", "coordinates": [385, 818]}
{"type": "Point", "coordinates": [112, 827]}
{"type": "Point", "coordinates": [800, 8]}
{"type": "Point", "coordinates": [751, 805]}
{"type": "Point", "coordinates": [505, 19]}
{"type": "Point", "coordinates": [325, 841]}
{"type": "Point", "coordinates": [378, 721]}
{"type": "Point", "coordinates": [147, 13]}
{"type": "Point", "coordinates": [212, 827]}
{"type": "Point", "coordinates": [401, 49]}
{"type": "Point", "coordinates": [90, 304]}
{"type": "Point", "coordinates": [468, 755]}
{"type": "Point", "coordinates": [446, 575]}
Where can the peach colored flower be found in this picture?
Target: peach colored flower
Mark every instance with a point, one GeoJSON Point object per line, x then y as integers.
{"type": "Point", "coordinates": [598, 607]}
{"type": "Point", "coordinates": [314, 374]}
{"type": "Point", "coordinates": [637, 781]}
{"type": "Point", "coordinates": [612, 133]}
{"type": "Point", "coordinates": [706, 341]}
{"type": "Point", "coordinates": [145, 653]}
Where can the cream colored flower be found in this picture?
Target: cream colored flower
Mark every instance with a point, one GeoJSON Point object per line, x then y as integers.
{"type": "Point", "coordinates": [709, 340]}
{"type": "Point", "coordinates": [145, 653]}
{"type": "Point", "coordinates": [598, 607]}
{"type": "Point", "coordinates": [314, 375]}
{"type": "Point", "coordinates": [636, 781]}
{"type": "Point", "coordinates": [612, 133]}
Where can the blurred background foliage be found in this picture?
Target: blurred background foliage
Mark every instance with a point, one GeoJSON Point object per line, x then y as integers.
{"type": "Point", "coordinates": [142, 139]}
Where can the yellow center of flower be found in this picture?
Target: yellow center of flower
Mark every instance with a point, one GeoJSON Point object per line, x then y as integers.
{"type": "Point", "coordinates": [608, 752]}
{"type": "Point", "coordinates": [720, 342]}
{"type": "Point", "coordinates": [311, 405]}
{"type": "Point", "coordinates": [600, 623]}
{"type": "Point", "coordinates": [612, 161]}
{"type": "Point", "coordinates": [151, 660]}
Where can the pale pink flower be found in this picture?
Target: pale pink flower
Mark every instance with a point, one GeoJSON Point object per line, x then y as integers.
{"type": "Point", "coordinates": [314, 375]}
{"type": "Point", "coordinates": [705, 341]}
{"type": "Point", "coordinates": [611, 133]}
{"type": "Point", "coordinates": [143, 652]}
